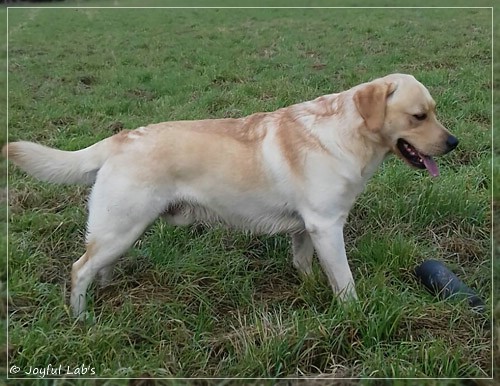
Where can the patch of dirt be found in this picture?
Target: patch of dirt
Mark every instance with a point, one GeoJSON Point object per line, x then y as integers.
{"type": "Point", "coordinates": [465, 157]}
{"type": "Point", "coordinates": [86, 80]}
{"type": "Point", "coordinates": [466, 249]}
{"type": "Point", "coordinates": [141, 94]}
{"type": "Point", "coordinates": [63, 121]}
{"type": "Point", "coordinates": [116, 127]}
{"type": "Point", "coordinates": [318, 66]}
{"type": "Point", "coordinates": [57, 272]}
{"type": "Point", "coordinates": [26, 198]}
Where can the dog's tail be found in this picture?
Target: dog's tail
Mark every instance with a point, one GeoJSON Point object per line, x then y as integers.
{"type": "Point", "coordinates": [52, 165]}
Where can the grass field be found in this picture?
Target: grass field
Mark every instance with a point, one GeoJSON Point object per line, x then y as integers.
{"type": "Point", "coordinates": [209, 302]}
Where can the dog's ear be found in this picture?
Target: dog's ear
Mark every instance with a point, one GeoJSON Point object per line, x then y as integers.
{"type": "Point", "coordinates": [371, 101]}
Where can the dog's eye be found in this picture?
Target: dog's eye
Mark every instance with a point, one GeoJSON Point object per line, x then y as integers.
{"type": "Point", "coordinates": [420, 117]}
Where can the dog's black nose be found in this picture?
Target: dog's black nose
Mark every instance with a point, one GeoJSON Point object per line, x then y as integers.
{"type": "Point", "coordinates": [451, 142]}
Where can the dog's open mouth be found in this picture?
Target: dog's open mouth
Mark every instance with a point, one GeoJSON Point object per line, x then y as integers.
{"type": "Point", "coordinates": [417, 159]}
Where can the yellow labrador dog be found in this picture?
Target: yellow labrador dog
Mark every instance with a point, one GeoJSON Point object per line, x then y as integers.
{"type": "Point", "coordinates": [296, 170]}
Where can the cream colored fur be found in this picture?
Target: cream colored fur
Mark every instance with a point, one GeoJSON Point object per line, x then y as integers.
{"type": "Point", "coordinates": [297, 170]}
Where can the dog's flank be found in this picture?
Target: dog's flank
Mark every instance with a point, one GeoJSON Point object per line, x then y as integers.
{"type": "Point", "coordinates": [298, 170]}
{"type": "Point", "coordinates": [273, 222]}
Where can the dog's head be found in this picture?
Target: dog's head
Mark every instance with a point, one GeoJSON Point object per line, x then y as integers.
{"type": "Point", "coordinates": [399, 112]}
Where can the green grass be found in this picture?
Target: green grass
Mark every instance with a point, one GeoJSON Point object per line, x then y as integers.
{"type": "Point", "coordinates": [209, 302]}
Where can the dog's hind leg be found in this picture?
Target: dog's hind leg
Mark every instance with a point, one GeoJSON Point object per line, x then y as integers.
{"type": "Point", "coordinates": [101, 253]}
{"type": "Point", "coordinates": [118, 215]}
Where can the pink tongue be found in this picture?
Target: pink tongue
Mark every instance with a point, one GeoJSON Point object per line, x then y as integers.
{"type": "Point", "coordinates": [431, 165]}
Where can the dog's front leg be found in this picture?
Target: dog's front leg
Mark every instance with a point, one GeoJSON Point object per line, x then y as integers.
{"type": "Point", "coordinates": [328, 240]}
{"type": "Point", "coordinates": [303, 251]}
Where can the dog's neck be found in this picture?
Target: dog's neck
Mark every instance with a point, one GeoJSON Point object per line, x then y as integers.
{"type": "Point", "coordinates": [324, 117]}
